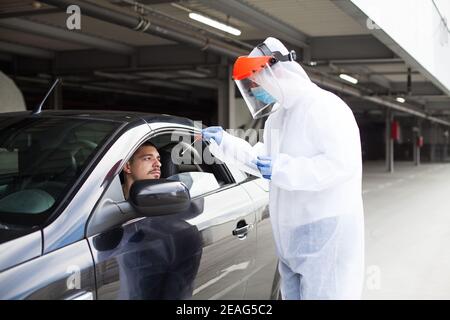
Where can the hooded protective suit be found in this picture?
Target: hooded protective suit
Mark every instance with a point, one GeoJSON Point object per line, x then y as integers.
{"type": "Point", "coordinates": [315, 205]}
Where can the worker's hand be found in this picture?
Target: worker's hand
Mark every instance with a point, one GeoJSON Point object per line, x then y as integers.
{"type": "Point", "coordinates": [264, 164]}
{"type": "Point", "coordinates": [215, 133]}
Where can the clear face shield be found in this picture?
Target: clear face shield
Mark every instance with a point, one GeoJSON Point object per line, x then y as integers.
{"type": "Point", "coordinates": [257, 83]}
{"type": "Point", "coordinates": [261, 92]}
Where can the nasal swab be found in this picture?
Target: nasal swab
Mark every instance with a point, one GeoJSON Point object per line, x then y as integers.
{"type": "Point", "coordinates": [195, 140]}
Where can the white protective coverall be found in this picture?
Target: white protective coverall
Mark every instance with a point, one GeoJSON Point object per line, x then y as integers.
{"type": "Point", "coordinates": [315, 204]}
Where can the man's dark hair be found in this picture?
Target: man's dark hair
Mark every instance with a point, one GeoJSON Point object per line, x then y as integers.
{"type": "Point", "coordinates": [145, 144]}
{"type": "Point", "coordinates": [148, 144]}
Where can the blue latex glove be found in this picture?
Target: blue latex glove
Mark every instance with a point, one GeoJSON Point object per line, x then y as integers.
{"type": "Point", "coordinates": [215, 133]}
{"type": "Point", "coordinates": [264, 164]}
{"type": "Point", "coordinates": [262, 95]}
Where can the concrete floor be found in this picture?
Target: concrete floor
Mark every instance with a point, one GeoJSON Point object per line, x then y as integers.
{"type": "Point", "coordinates": [407, 220]}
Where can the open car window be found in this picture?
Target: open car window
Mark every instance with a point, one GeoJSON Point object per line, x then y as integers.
{"type": "Point", "coordinates": [183, 161]}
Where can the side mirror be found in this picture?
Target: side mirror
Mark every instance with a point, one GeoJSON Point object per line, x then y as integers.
{"type": "Point", "coordinates": [159, 197]}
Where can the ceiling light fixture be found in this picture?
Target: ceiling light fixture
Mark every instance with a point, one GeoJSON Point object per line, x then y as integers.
{"type": "Point", "coordinates": [348, 78]}
{"type": "Point", "coordinates": [215, 24]}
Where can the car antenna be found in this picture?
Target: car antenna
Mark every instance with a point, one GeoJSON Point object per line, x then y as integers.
{"type": "Point", "coordinates": [38, 109]}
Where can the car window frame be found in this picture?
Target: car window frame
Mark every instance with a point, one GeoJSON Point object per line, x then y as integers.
{"type": "Point", "coordinates": [229, 175]}
{"type": "Point", "coordinates": [144, 138]}
{"type": "Point", "coordinates": [171, 130]}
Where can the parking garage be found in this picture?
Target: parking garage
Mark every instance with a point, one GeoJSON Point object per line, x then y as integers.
{"type": "Point", "coordinates": [152, 56]}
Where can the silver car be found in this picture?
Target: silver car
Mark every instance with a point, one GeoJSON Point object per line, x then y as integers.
{"type": "Point", "coordinates": [66, 231]}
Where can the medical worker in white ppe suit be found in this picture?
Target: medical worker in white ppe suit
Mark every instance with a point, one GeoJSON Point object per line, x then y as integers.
{"type": "Point", "coordinates": [312, 157]}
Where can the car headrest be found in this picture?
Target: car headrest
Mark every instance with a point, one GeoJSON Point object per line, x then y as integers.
{"type": "Point", "coordinates": [57, 164]}
{"type": "Point", "coordinates": [168, 168]}
{"type": "Point", "coordinates": [31, 201]}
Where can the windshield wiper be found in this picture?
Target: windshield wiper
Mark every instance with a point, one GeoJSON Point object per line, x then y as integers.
{"type": "Point", "coordinates": [3, 227]}
{"type": "Point", "coordinates": [14, 227]}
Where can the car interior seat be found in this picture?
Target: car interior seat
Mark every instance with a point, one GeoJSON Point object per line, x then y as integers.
{"type": "Point", "coordinates": [169, 168]}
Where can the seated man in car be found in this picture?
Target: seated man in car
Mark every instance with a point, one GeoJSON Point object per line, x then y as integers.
{"type": "Point", "coordinates": [144, 164]}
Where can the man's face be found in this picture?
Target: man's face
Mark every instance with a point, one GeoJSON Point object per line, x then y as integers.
{"type": "Point", "coordinates": [145, 164]}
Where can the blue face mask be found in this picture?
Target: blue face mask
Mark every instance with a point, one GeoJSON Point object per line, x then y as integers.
{"type": "Point", "coordinates": [262, 95]}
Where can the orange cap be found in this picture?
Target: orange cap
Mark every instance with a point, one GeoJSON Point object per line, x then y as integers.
{"type": "Point", "coordinates": [245, 66]}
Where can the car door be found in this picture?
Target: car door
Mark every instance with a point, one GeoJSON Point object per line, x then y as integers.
{"type": "Point", "coordinates": [228, 259]}
{"type": "Point", "coordinates": [67, 273]}
{"type": "Point", "coordinates": [203, 253]}
{"type": "Point", "coordinates": [265, 283]}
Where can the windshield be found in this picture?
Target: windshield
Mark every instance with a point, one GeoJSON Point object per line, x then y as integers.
{"type": "Point", "coordinates": [40, 160]}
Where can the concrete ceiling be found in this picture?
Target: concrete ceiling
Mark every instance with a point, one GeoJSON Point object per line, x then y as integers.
{"type": "Point", "coordinates": [327, 36]}
{"type": "Point", "coordinates": [316, 18]}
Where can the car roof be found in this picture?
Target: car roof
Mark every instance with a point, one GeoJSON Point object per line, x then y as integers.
{"type": "Point", "coordinates": [105, 115]}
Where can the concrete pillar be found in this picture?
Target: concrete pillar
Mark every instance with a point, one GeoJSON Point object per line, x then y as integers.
{"type": "Point", "coordinates": [306, 55]}
{"type": "Point", "coordinates": [416, 152]}
{"type": "Point", "coordinates": [414, 146]}
{"type": "Point", "coordinates": [55, 100]}
{"type": "Point", "coordinates": [445, 153]}
{"type": "Point", "coordinates": [433, 143]}
{"type": "Point", "coordinates": [226, 98]}
{"type": "Point", "coordinates": [417, 163]}
{"type": "Point", "coordinates": [417, 132]}
{"type": "Point", "coordinates": [232, 112]}
{"type": "Point", "coordinates": [446, 137]}
{"type": "Point", "coordinates": [389, 143]}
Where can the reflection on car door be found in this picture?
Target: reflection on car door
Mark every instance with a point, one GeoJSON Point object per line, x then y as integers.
{"type": "Point", "coordinates": [141, 258]}
{"type": "Point", "coordinates": [66, 273]}
{"type": "Point", "coordinates": [265, 283]}
{"type": "Point", "coordinates": [228, 259]}
{"type": "Point", "coordinates": [151, 258]}
{"type": "Point", "coordinates": [188, 255]}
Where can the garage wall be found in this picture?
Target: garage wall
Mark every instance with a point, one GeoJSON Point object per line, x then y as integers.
{"type": "Point", "coordinates": [417, 28]}
{"type": "Point", "coordinates": [243, 116]}
{"type": "Point", "coordinates": [11, 98]}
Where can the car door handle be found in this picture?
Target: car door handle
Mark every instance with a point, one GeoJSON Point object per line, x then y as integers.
{"type": "Point", "coordinates": [241, 232]}
{"type": "Point", "coordinates": [85, 295]}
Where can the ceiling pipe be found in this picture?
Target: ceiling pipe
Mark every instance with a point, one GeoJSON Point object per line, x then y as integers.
{"type": "Point", "coordinates": [143, 8]}
{"type": "Point", "coordinates": [254, 16]}
{"type": "Point", "coordinates": [65, 35]}
{"type": "Point", "coordinates": [26, 50]}
{"type": "Point", "coordinates": [99, 88]}
{"type": "Point", "coordinates": [143, 24]}
{"type": "Point", "coordinates": [350, 90]}
{"type": "Point", "coordinates": [25, 13]}
{"type": "Point", "coordinates": [363, 61]}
